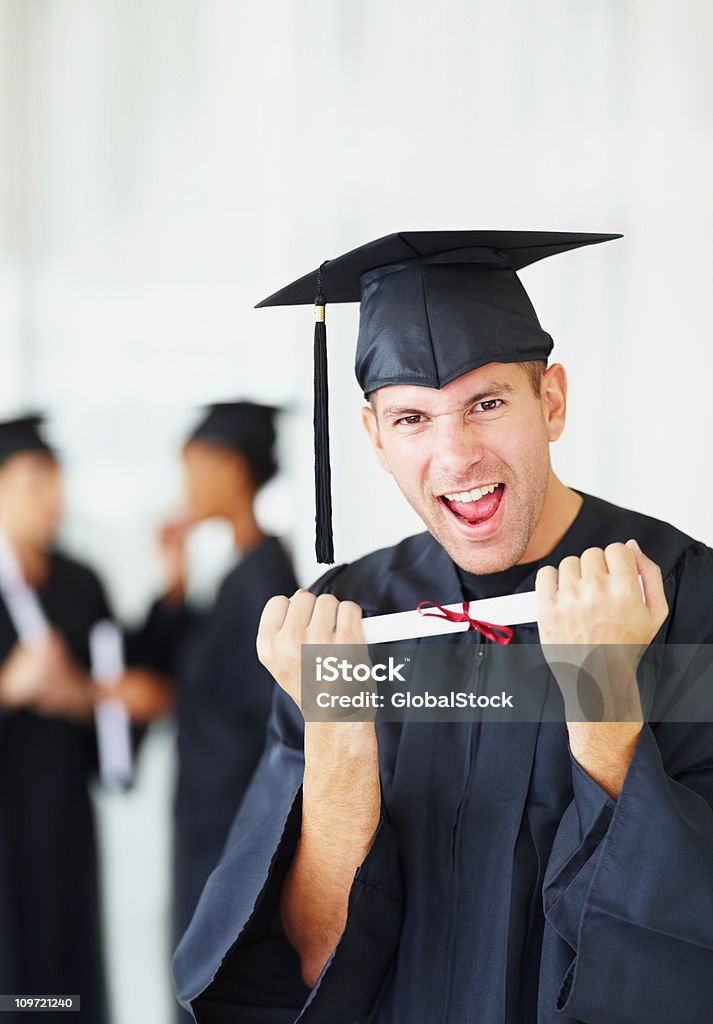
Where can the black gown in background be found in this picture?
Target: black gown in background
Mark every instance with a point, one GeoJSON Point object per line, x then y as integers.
{"type": "Point", "coordinates": [223, 702]}
{"type": "Point", "coordinates": [50, 934]}
{"type": "Point", "coordinates": [504, 885]}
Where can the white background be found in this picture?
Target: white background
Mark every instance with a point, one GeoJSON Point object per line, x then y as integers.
{"type": "Point", "coordinates": [164, 164]}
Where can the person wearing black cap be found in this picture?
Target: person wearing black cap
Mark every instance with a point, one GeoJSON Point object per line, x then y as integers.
{"type": "Point", "coordinates": [50, 936]}
{"type": "Point", "coordinates": [472, 872]}
{"type": "Point", "coordinates": [222, 691]}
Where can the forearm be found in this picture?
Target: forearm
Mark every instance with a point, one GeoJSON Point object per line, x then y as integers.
{"type": "Point", "coordinates": [70, 695]}
{"type": "Point", "coordinates": [146, 695]}
{"type": "Point", "coordinates": [340, 815]}
{"type": "Point", "coordinates": [77, 699]}
{"type": "Point", "coordinates": [604, 750]}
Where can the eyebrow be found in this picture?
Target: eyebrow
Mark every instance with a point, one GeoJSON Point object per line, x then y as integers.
{"type": "Point", "coordinates": [490, 390]}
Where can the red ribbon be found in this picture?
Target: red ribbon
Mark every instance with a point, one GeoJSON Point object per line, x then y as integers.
{"type": "Point", "coordinates": [500, 634]}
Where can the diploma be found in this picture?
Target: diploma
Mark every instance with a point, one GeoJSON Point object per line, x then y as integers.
{"type": "Point", "coordinates": [509, 610]}
{"type": "Point", "coordinates": [112, 721]}
{"type": "Point", "coordinates": [21, 601]}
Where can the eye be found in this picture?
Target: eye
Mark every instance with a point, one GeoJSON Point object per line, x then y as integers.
{"type": "Point", "coordinates": [489, 405]}
{"type": "Point", "coordinates": [409, 421]}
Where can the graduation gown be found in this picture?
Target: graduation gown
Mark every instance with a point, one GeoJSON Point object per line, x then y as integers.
{"type": "Point", "coordinates": [223, 702]}
{"type": "Point", "coordinates": [50, 936]}
{"type": "Point", "coordinates": [503, 885]}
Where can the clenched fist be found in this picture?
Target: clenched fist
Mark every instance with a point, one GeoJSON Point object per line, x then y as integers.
{"type": "Point", "coordinates": [596, 616]}
{"type": "Point", "coordinates": [287, 623]}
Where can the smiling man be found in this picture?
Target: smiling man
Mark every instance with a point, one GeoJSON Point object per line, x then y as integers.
{"type": "Point", "coordinates": [470, 872]}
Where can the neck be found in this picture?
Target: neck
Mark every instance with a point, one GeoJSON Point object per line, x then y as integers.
{"type": "Point", "coordinates": [246, 530]}
{"type": "Point", "coordinates": [559, 510]}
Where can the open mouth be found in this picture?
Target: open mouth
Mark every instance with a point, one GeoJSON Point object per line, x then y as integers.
{"type": "Point", "coordinates": [475, 506]}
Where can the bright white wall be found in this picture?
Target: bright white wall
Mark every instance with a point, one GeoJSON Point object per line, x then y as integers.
{"type": "Point", "coordinates": [167, 163]}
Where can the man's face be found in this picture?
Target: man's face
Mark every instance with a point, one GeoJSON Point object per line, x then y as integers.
{"type": "Point", "coordinates": [31, 498]}
{"type": "Point", "coordinates": [472, 459]}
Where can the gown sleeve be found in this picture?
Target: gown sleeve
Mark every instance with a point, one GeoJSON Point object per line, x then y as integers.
{"type": "Point", "coordinates": [629, 883]}
{"type": "Point", "coordinates": [234, 961]}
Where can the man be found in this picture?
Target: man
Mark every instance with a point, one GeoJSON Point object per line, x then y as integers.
{"type": "Point", "coordinates": [223, 693]}
{"type": "Point", "coordinates": [536, 871]}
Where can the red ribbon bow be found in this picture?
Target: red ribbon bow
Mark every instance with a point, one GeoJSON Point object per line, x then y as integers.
{"type": "Point", "coordinates": [500, 634]}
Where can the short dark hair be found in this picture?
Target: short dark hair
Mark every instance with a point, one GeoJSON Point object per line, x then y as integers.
{"type": "Point", "coordinates": [534, 369]}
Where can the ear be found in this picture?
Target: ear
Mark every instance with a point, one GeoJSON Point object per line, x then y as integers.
{"type": "Point", "coordinates": [371, 425]}
{"type": "Point", "coordinates": [553, 395]}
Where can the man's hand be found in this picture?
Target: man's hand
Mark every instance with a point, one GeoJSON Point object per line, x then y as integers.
{"type": "Point", "coordinates": [596, 619]}
{"type": "Point", "coordinates": [286, 624]}
{"type": "Point", "coordinates": [597, 598]}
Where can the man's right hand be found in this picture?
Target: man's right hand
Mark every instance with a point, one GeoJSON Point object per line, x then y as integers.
{"type": "Point", "coordinates": [287, 623]}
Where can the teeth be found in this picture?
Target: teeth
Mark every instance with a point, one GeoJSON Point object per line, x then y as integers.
{"type": "Point", "coordinates": [475, 495]}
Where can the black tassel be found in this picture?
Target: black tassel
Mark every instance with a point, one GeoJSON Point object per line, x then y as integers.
{"type": "Point", "coordinates": [324, 541]}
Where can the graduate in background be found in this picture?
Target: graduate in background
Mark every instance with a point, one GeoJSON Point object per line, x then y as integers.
{"type": "Point", "coordinates": [223, 692]}
{"type": "Point", "coordinates": [50, 938]}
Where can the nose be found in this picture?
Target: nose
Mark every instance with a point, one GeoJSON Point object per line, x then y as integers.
{"type": "Point", "coordinates": [458, 448]}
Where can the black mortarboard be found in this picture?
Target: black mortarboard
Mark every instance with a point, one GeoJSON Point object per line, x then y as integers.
{"type": "Point", "coordinates": [22, 435]}
{"type": "Point", "coordinates": [245, 426]}
{"type": "Point", "coordinates": [434, 305]}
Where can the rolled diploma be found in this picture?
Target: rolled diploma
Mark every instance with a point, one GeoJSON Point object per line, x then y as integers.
{"type": "Point", "coordinates": [112, 721]}
{"type": "Point", "coordinates": [509, 610]}
{"type": "Point", "coordinates": [21, 601]}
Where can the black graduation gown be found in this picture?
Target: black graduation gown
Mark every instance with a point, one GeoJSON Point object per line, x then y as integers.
{"type": "Point", "coordinates": [50, 936]}
{"type": "Point", "coordinates": [223, 702]}
{"type": "Point", "coordinates": [503, 886]}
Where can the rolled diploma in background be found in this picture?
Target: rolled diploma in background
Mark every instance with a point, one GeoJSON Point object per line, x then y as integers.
{"type": "Point", "coordinates": [510, 610]}
{"type": "Point", "coordinates": [21, 601]}
{"type": "Point", "coordinates": [112, 721]}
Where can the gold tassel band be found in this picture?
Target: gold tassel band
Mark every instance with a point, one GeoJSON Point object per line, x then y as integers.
{"type": "Point", "coordinates": [319, 314]}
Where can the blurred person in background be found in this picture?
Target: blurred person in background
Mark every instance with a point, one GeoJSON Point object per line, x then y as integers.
{"type": "Point", "coordinates": [50, 935]}
{"type": "Point", "coordinates": [223, 692]}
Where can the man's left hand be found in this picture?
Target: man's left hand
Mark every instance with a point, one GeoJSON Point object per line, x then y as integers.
{"type": "Point", "coordinates": [596, 616]}
{"type": "Point", "coordinates": [598, 599]}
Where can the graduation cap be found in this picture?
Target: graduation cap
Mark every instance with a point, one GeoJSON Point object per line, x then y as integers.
{"type": "Point", "coordinates": [247, 427]}
{"type": "Point", "coordinates": [434, 306]}
{"type": "Point", "coordinates": [23, 435]}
